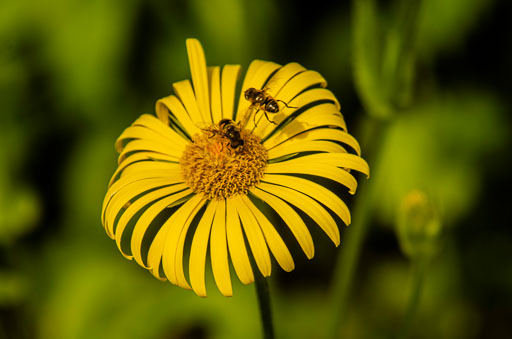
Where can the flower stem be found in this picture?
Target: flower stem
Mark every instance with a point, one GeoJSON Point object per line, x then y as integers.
{"type": "Point", "coordinates": [418, 275]}
{"type": "Point", "coordinates": [263, 292]}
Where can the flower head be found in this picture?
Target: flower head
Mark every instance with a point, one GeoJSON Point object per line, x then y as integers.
{"type": "Point", "coordinates": [202, 174]}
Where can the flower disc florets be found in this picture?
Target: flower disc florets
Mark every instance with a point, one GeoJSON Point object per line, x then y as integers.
{"type": "Point", "coordinates": [213, 167]}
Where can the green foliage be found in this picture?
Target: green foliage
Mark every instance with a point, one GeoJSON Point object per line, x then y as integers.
{"type": "Point", "coordinates": [444, 26]}
{"type": "Point", "coordinates": [74, 74]}
{"type": "Point", "coordinates": [439, 146]}
{"type": "Point", "coordinates": [383, 55]}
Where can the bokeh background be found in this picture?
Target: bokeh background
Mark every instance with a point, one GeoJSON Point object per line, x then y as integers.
{"type": "Point", "coordinates": [426, 90]}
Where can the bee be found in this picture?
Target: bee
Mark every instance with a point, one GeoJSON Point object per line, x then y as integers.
{"type": "Point", "coordinates": [260, 100]}
{"type": "Point", "coordinates": [230, 130]}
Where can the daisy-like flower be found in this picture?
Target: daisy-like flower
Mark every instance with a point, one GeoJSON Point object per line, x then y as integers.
{"type": "Point", "coordinates": [202, 174]}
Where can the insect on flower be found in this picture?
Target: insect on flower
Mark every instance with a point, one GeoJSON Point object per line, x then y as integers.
{"type": "Point", "coordinates": [261, 100]}
{"type": "Point", "coordinates": [228, 129]}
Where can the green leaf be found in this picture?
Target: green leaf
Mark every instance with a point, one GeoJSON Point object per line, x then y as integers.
{"type": "Point", "coordinates": [384, 55]}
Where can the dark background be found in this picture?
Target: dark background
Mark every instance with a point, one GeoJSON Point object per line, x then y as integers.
{"type": "Point", "coordinates": [74, 74]}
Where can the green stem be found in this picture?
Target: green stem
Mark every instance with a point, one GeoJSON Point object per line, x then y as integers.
{"type": "Point", "coordinates": [263, 292]}
{"type": "Point", "coordinates": [418, 275]}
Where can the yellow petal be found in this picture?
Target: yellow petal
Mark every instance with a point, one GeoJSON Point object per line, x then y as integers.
{"type": "Point", "coordinates": [121, 193]}
{"type": "Point", "coordinates": [150, 122]}
{"type": "Point", "coordinates": [141, 202]}
{"type": "Point", "coordinates": [137, 171]}
{"type": "Point", "coordinates": [236, 243]}
{"type": "Point", "coordinates": [291, 218]}
{"type": "Point", "coordinates": [170, 178]}
{"type": "Point", "coordinates": [165, 245]}
{"type": "Point", "coordinates": [150, 168]}
{"type": "Point", "coordinates": [274, 240]}
{"type": "Point", "coordinates": [197, 63]}
{"type": "Point", "coordinates": [138, 157]}
{"type": "Point", "coordinates": [172, 105]}
{"type": "Point", "coordinates": [144, 145]}
{"type": "Point", "coordinates": [317, 115]}
{"type": "Point", "coordinates": [185, 93]}
{"type": "Point", "coordinates": [219, 251]}
{"type": "Point", "coordinates": [178, 262]}
{"type": "Point", "coordinates": [230, 74]}
{"type": "Point", "coordinates": [304, 146]}
{"type": "Point", "coordinates": [309, 206]}
{"type": "Point", "coordinates": [282, 77]}
{"type": "Point", "coordinates": [312, 95]}
{"type": "Point", "coordinates": [343, 160]}
{"type": "Point", "coordinates": [322, 170]}
{"type": "Point", "coordinates": [299, 83]}
{"type": "Point", "coordinates": [162, 112]}
{"type": "Point", "coordinates": [315, 191]}
{"type": "Point", "coordinates": [125, 180]}
{"type": "Point", "coordinates": [330, 134]}
{"type": "Point", "coordinates": [254, 236]}
{"type": "Point", "coordinates": [144, 221]}
{"type": "Point", "coordinates": [216, 100]}
{"type": "Point", "coordinates": [199, 248]}
{"type": "Point", "coordinates": [178, 250]}
{"type": "Point", "coordinates": [174, 146]}
{"type": "Point", "coordinates": [157, 246]}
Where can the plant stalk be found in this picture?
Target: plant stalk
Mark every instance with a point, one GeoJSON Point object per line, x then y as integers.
{"type": "Point", "coordinates": [418, 277]}
{"type": "Point", "coordinates": [263, 292]}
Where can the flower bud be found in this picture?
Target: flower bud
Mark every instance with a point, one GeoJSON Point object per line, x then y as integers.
{"type": "Point", "coordinates": [418, 225]}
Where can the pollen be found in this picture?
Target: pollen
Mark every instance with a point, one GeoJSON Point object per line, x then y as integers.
{"type": "Point", "coordinates": [213, 167]}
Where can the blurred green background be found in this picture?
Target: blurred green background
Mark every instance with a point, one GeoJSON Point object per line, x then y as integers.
{"type": "Point", "coordinates": [424, 87]}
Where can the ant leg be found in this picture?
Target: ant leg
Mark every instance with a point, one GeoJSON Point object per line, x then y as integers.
{"type": "Point", "coordinates": [286, 104]}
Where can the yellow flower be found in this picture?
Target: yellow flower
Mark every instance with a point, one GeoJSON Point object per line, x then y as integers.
{"type": "Point", "coordinates": [188, 180]}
